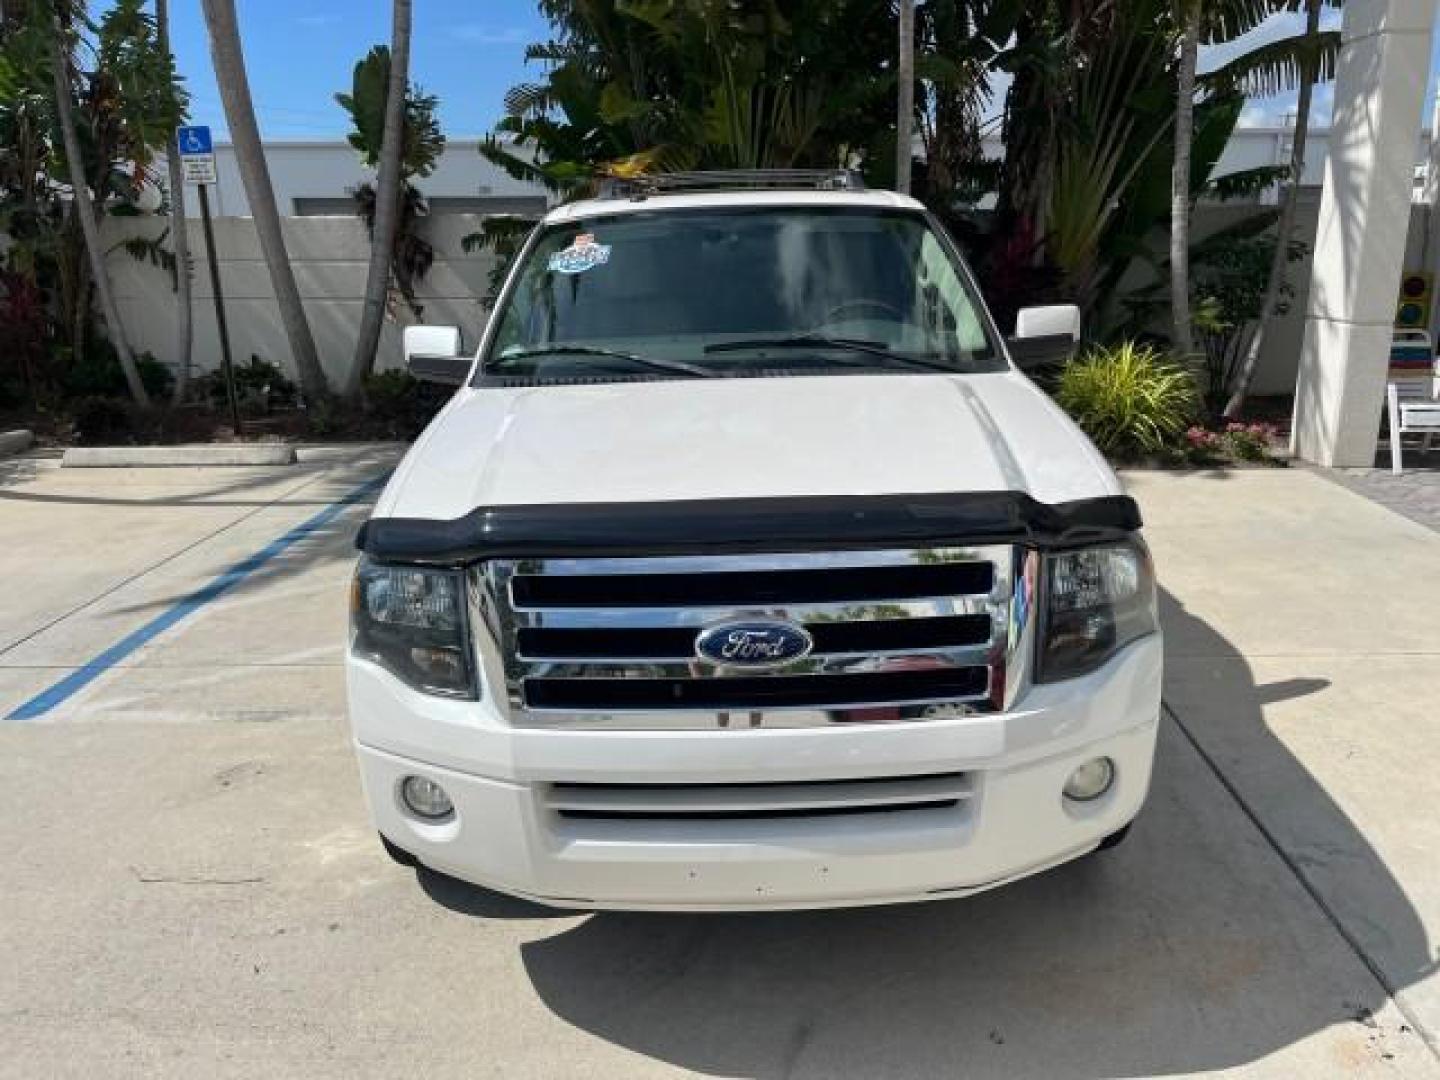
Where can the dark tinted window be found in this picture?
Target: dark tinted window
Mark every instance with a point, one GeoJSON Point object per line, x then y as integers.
{"type": "Point", "coordinates": [693, 286]}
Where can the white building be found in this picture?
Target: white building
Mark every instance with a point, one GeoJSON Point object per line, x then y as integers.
{"type": "Point", "coordinates": [314, 178]}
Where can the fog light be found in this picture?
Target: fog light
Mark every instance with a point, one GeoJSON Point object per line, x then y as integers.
{"type": "Point", "coordinates": [425, 798]}
{"type": "Point", "coordinates": [1090, 780]}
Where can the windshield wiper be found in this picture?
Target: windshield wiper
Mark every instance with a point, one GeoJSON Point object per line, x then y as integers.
{"type": "Point", "coordinates": [675, 366]}
{"type": "Point", "coordinates": [819, 341]}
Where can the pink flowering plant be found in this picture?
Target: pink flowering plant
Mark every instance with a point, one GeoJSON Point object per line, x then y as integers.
{"type": "Point", "coordinates": [1202, 440]}
{"type": "Point", "coordinates": [1248, 442]}
{"type": "Point", "coordinates": [1236, 442]}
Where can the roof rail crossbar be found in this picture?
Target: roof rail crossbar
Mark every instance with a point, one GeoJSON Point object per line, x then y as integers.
{"type": "Point", "coordinates": [639, 187]}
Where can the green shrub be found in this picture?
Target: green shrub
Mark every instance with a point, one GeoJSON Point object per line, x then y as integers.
{"type": "Point", "coordinates": [391, 395]}
{"type": "Point", "coordinates": [12, 393]}
{"type": "Point", "coordinates": [97, 373]}
{"type": "Point", "coordinates": [323, 420]}
{"type": "Point", "coordinates": [99, 420]}
{"type": "Point", "coordinates": [260, 386]}
{"type": "Point", "coordinates": [400, 404]}
{"type": "Point", "coordinates": [1130, 399]}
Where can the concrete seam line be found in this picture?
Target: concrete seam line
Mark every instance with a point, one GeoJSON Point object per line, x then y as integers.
{"type": "Point", "coordinates": [1427, 1036]}
{"type": "Point", "coordinates": [77, 680]}
{"type": "Point", "coordinates": [1336, 477]}
{"type": "Point", "coordinates": [168, 558]}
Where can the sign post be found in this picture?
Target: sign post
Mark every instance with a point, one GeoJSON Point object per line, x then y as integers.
{"type": "Point", "coordinates": [197, 165]}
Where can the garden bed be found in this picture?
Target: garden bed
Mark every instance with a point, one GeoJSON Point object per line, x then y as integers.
{"type": "Point", "coordinates": [394, 406]}
{"type": "Point", "coordinates": [1142, 408]}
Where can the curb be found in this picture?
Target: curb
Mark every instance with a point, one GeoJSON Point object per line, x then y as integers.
{"type": "Point", "coordinates": [219, 454]}
{"type": "Point", "coordinates": [15, 442]}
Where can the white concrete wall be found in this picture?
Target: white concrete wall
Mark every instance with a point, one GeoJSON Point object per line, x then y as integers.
{"type": "Point", "coordinates": [330, 258]}
{"type": "Point", "coordinates": [1253, 148]}
{"type": "Point", "coordinates": [1280, 352]}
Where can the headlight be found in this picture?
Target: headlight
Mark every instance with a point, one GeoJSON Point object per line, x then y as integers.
{"type": "Point", "coordinates": [411, 621]}
{"type": "Point", "coordinates": [1097, 601]}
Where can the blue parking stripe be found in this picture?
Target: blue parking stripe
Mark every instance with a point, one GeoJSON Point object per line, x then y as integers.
{"type": "Point", "coordinates": [92, 669]}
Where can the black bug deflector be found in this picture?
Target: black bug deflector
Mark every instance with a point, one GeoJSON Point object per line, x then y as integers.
{"type": "Point", "coordinates": [719, 526]}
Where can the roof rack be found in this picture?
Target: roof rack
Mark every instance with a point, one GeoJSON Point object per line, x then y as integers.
{"type": "Point", "coordinates": [640, 187]}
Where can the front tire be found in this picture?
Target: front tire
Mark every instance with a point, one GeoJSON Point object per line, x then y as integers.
{"type": "Point", "coordinates": [398, 854]}
{"type": "Point", "coordinates": [1114, 840]}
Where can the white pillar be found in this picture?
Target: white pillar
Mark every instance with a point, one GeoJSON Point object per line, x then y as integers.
{"type": "Point", "coordinates": [1432, 212]}
{"type": "Point", "coordinates": [1364, 218]}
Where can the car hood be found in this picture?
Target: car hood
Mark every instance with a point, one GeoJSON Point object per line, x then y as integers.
{"type": "Point", "coordinates": [745, 438]}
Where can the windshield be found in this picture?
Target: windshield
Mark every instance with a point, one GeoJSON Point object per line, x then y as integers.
{"type": "Point", "coordinates": [716, 292]}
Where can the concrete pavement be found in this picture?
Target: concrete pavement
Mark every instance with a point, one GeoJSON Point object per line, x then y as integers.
{"type": "Point", "coordinates": [192, 888]}
{"type": "Point", "coordinates": [1302, 654]}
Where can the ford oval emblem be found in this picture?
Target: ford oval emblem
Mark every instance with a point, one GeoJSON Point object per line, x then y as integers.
{"type": "Point", "coordinates": [754, 643]}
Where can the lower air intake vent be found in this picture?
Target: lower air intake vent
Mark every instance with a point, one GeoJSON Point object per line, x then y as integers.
{"type": "Point", "coordinates": [690, 802]}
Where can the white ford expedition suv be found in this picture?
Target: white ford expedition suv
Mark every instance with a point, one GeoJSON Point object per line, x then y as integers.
{"type": "Point", "coordinates": [744, 570]}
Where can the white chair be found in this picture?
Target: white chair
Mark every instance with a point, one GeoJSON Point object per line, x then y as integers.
{"type": "Point", "coordinates": [1412, 398]}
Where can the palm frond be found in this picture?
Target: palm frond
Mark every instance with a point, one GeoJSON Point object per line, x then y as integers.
{"type": "Point", "coordinates": [528, 99]}
{"type": "Point", "coordinates": [1247, 228]}
{"type": "Point", "coordinates": [497, 230]}
{"type": "Point", "coordinates": [1277, 66]}
{"type": "Point", "coordinates": [1226, 20]}
{"type": "Point", "coordinates": [150, 250]}
{"type": "Point", "coordinates": [1247, 183]}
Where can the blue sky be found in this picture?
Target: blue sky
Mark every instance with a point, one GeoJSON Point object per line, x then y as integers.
{"type": "Point", "coordinates": [467, 52]}
{"type": "Point", "coordinates": [299, 53]}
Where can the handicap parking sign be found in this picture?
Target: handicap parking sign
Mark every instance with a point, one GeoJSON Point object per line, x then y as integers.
{"type": "Point", "coordinates": [197, 154]}
{"type": "Point", "coordinates": [194, 140]}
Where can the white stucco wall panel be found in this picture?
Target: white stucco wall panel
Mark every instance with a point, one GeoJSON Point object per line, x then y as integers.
{"type": "Point", "coordinates": [329, 256]}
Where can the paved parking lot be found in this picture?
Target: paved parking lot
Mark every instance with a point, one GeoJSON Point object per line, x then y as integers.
{"type": "Point", "coordinates": [191, 888]}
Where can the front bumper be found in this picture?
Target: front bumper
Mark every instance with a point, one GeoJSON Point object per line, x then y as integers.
{"type": "Point", "coordinates": [505, 836]}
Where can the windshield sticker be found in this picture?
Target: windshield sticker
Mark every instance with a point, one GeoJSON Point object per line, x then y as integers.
{"type": "Point", "coordinates": [582, 254]}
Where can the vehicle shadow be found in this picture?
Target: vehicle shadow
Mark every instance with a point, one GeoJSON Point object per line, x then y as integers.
{"type": "Point", "coordinates": [1191, 948]}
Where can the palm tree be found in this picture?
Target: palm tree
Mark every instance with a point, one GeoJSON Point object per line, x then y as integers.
{"type": "Point", "coordinates": [1182, 336]}
{"type": "Point", "coordinates": [388, 184]}
{"type": "Point", "coordinates": [84, 208]}
{"type": "Point", "coordinates": [905, 99]}
{"type": "Point", "coordinates": [184, 321]}
{"type": "Point", "coordinates": [1310, 66]}
{"type": "Point", "coordinates": [229, 61]}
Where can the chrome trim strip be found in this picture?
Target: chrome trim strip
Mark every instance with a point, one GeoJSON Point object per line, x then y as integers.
{"type": "Point", "coordinates": [853, 706]}
{"type": "Point", "coordinates": [698, 616]}
{"type": "Point", "coordinates": [805, 560]}
{"type": "Point", "coordinates": [981, 650]}
{"type": "Point", "coordinates": [816, 664]}
{"type": "Point", "coordinates": [683, 799]}
{"type": "Point", "coordinates": [769, 719]}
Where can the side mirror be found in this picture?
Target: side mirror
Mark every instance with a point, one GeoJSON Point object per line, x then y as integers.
{"type": "Point", "coordinates": [432, 354]}
{"type": "Point", "coordinates": [1045, 335]}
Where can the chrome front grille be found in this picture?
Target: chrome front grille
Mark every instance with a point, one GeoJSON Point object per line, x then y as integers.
{"type": "Point", "coordinates": [902, 634]}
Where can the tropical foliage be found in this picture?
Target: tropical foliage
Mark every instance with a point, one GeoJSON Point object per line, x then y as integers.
{"type": "Point", "coordinates": [122, 97]}
{"type": "Point", "coordinates": [652, 85]}
{"type": "Point", "coordinates": [1130, 399]}
{"type": "Point", "coordinates": [422, 142]}
{"type": "Point", "coordinates": [1082, 195]}
{"type": "Point", "coordinates": [412, 255]}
